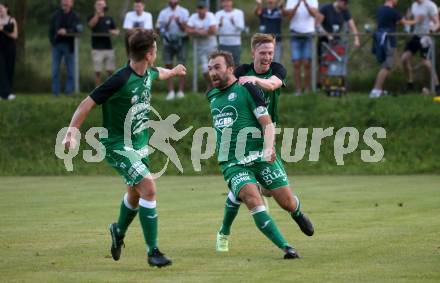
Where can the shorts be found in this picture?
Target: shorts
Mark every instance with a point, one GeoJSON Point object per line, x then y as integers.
{"type": "Point", "coordinates": [203, 53]}
{"type": "Point", "coordinates": [270, 176]}
{"type": "Point", "coordinates": [389, 61]}
{"type": "Point", "coordinates": [128, 163]}
{"type": "Point", "coordinates": [301, 47]}
{"type": "Point", "coordinates": [103, 59]}
{"type": "Point", "coordinates": [179, 52]}
{"type": "Point", "coordinates": [414, 45]}
{"type": "Point", "coordinates": [235, 50]}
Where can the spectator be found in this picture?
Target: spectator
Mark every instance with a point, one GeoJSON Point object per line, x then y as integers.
{"type": "Point", "coordinates": [303, 15]}
{"type": "Point", "coordinates": [271, 18]}
{"type": "Point", "coordinates": [137, 19]}
{"type": "Point", "coordinates": [203, 25]}
{"type": "Point", "coordinates": [385, 45]}
{"type": "Point", "coordinates": [102, 50]}
{"type": "Point", "coordinates": [424, 12]}
{"type": "Point", "coordinates": [335, 16]}
{"type": "Point", "coordinates": [8, 35]}
{"type": "Point", "coordinates": [230, 25]}
{"type": "Point", "coordinates": [63, 23]}
{"type": "Point", "coordinates": [172, 25]}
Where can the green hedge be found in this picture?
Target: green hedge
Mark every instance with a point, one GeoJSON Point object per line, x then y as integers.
{"type": "Point", "coordinates": [29, 126]}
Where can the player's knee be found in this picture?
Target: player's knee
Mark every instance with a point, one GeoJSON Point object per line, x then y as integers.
{"type": "Point", "coordinates": [146, 189]}
{"type": "Point", "coordinates": [251, 199]}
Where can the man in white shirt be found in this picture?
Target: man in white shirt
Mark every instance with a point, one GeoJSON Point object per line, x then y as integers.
{"type": "Point", "coordinates": [425, 13]}
{"type": "Point", "coordinates": [231, 24]}
{"type": "Point", "coordinates": [303, 15]}
{"type": "Point", "coordinates": [136, 19]}
{"type": "Point", "coordinates": [203, 26]}
{"type": "Point", "coordinates": [172, 25]}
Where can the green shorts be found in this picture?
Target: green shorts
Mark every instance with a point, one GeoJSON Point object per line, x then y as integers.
{"type": "Point", "coordinates": [270, 176]}
{"type": "Point", "coordinates": [129, 164]}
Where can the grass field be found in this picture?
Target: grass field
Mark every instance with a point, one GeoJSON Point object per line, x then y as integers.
{"type": "Point", "coordinates": [368, 229]}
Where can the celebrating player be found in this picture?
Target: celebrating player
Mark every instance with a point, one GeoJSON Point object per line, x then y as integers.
{"type": "Point", "coordinates": [239, 111]}
{"type": "Point", "coordinates": [270, 77]}
{"type": "Point", "coordinates": [126, 96]}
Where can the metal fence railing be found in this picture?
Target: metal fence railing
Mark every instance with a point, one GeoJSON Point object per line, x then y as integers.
{"type": "Point", "coordinates": [353, 55]}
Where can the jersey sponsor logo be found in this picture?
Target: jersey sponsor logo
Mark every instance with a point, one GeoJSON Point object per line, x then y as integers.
{"type": "Point", "coordinates": [270, 176]}
{"type": "Point", "coordinates": [224, 118]}
{"type": "Point", "coordinates": [134, 90]}
{"type": "Point", "coordinates": [238, 179]}
{"type": "Point", "coordinates": [232, 96]}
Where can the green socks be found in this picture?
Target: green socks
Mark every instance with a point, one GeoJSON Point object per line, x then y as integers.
{"type": "Point", "coordinates": [148, 218]}
{"type": "Point", "coordinates": [126, 215]}
{"type": "Point", "coordinates": [231, 211]}
{"type": "Point", "coordinates": [267, 226]}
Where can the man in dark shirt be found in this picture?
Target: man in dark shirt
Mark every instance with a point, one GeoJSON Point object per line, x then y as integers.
{"type": "Point", "coordinates": [335, 18]}
{"type": "Point", "coordinates": [387, 19]}
{"type": "Point", "coordinates": [102, 51]}
{"type": "Point", "coordinates": [63, 23]}
{"type": "Point", "coordinates": [271, 18]}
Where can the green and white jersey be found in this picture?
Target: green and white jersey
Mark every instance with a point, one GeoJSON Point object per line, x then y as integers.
{"type": "Point", "coordinates": [235, 112]}
{"type": "Point", "coordinates": [125, 98]}
{"type": "Point", "coordinates": [271, 97]}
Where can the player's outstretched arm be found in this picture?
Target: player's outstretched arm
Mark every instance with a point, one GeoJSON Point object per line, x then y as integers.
{"type": "Point", "coordinates": [78, 118]}
{"type": "Point", "coordinates": [269, 84]}
{"type": "Point", "coordinates": [269, 138]}
{"type": "Point", "coordinates": [165, 74]}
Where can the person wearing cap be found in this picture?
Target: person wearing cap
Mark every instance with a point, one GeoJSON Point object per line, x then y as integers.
{"type": "Point", "coordinates": [203, 26]}
{"type": "Point", "coordinates": [231, 24]}
{"type": "Point", "coordinates": [172, 24]}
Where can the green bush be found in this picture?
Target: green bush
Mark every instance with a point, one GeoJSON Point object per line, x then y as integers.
{"type": "Point", "coordinates": [30, 125]}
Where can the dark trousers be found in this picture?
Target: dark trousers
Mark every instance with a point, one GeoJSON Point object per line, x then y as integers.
{"type": "Point", "coordinates": [7, 67]}
{"type": "Point", "coordinates": [62, 51]}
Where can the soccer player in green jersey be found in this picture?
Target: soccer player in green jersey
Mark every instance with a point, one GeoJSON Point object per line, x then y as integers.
{"type": "Point", "coordinates": [125, 96]}
{"type": "Point", "coordinates": [270, 77]}
{"type": "Point", "coordinates": [245, 145]}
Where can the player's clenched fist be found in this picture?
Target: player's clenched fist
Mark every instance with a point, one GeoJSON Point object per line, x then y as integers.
{"type": "Point", "coordinates": [180, 70]}
{"type": "Point", "coordinates": [69, 141]}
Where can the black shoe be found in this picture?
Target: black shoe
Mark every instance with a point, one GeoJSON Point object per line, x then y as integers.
{"type": "Point", "coordinates": [158, 259]}
{"type": "Point", "coordinates": [290, 253]}
{"type": "Point", "coordinates": [117, 241]}
{"type": "Point", "coordinates": [304, 223]}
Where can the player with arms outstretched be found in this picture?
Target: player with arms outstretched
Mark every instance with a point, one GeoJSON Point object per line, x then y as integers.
{"type": "Point", "coordinates": [125, 96]}
{"type": "Point", "coordinates": [237, 112]}
{"type": "Point", "coordinates": [270, 77]}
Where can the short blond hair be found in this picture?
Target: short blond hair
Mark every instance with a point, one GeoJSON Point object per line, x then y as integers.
{"type": "Point", "coordinates": [261, 38]}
